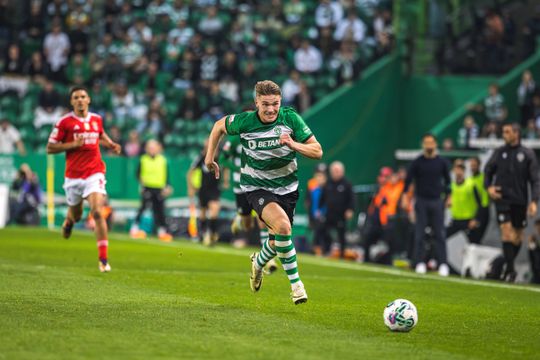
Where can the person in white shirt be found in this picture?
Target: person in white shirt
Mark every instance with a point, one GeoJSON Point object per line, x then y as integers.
{"type": "Point", "coordinates": [56, 48]}
{"type": "Point", "coordinates": [328, 13]}
{"type": "Point", "coordinates": [307, 58]}
{"type": "Point", "coordinates": [350, 28]}
{"type": "Point", "coordinates": [291, 88]}
{"type": "Point", "coordinates": [10, 138]}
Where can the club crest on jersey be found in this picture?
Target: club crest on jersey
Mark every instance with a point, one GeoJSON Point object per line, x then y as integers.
{"type": "Point", "coordinates": [76, 127]}
{"type": "Point", "coordinates": [86, 126]}
{"type": "Point", "coordinates": [95, 126]}
{"type": "Point", "coordinates": [520, 157]}
{"type": "Point", "coordinates": [277, 130]}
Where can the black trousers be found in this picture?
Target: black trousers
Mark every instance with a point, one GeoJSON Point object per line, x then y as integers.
{"type": "Point", "coordinates": [429, 212]}
{"type": "Point", "coordinates": [339, 226]}
{"type": "Point", "coordinates": [152, 197]}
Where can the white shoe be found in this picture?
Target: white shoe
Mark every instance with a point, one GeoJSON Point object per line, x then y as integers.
{"type": "Point", "coordinates": [256, 278]}
{"type": "Point", "coordinates": [104, 268]}
{"type": "Point", "coordinates": [298, 294]}
{"type": "Point", "coordinates": [420, 268]}
{"type": "Point", "coordinates": [444, 270]}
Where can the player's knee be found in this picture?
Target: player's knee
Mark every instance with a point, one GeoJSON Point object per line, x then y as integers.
{"type": "Point", "coordinates": [96, 214]}
{"type": "Point", "coordinates": [283, 226]}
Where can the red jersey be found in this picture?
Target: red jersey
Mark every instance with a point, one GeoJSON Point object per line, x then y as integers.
{"type": "Point", "coordinates": [85, 160]}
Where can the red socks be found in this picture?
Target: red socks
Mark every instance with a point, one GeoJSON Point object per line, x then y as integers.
{"type": "Point", "coordinates": [102, 249]}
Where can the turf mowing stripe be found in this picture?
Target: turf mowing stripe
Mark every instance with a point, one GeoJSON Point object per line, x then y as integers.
{"type": "Point", "coordinates": [329, 263]}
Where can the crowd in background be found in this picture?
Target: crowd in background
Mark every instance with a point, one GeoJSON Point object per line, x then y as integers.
{"type": "Point", "coordinates": [485, 120]}
{"type": "Point", "coordinates": [156, 68]}
{"type": "Point", "coordinates": [501, 35]}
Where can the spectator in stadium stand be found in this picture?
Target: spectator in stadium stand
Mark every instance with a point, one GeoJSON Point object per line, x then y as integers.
{"type": "Point", "coordinates": [490, 131]}
{"type": "Point", "coordinates": [209, 65]}
{"type": "Point", "coordinates": [384, 32]}
{"type": "Point", "coordinates": [350, 28]}
{"type": "Point", "coordinates": [525, 92]}
{"type": "Point", "coordinates": [133, 145]}
{"type": "Point", "coordinates": [154, 177]}
{"type": "Point", "coordinates": [307, 58]}
{"type": "Point", "coordinates": [140, 33]}
{"type": "Point", "coordinates": [302, 100]}
{"type": "Point", "coordinates": [229, 65]}
{"type": "Point", "coordinates": [328, 13]}
{"type": "Point", "coordinates": [49, 108]}
{"type": "Point", "coordinates": [56, 47]}
{"type": "Point", "coordinates": [338, 198]}
{"type": "Point", "coordinates": [290, 88]}
{"type": "Point", "coordinates": [493, 108]}
{"type": "Point", "coordinates": [78, 71]}
{"type": "Point", "coordinates": [325, 42]}
{"type": "Point", "coordinates": [316, 211]}
{"type": "Point", "coordinates": [216, 103]}
{"type": "Point", "coordinates": [509, 173]}
{"type": "Point", "coordinates": [531, 131]}
{"type": "Point", "coordinates": [28, 197]}
{"type": "Point", "coordinates": [37, 69]}
{"type": "Point", "coordinates": [345, 64]}
{"type": "Point", "coordinates": [191, 105]}
{"type": "Point", "coordinates": [181, 33]}
{"type": "Point", "coordinates": [153, 126]}
{"type": "Point", "coordinates": [180, 11]}
{"type": "Point", "coordinates": [211, 25]}
{"type": "Point", "coordinates": [35, 23]}
{"type": "Point", "coordinates": [464, 202]}
{"type": "Point", "coordinates": [448, 144]}
{"type": "Point", "coordinates": [468, 132]}
{"type": "Point", "coordinates": [13, 61]}
{"type": "Point", "coordinates": [130, 53]}
{"type": "Point", "coordinates": [229, 89]}
{"type": "Point", "coordinates": [477, 177]}
{"type": "Point", "coordinates": [430, 175]}
{"type": "Point", "coordinates": [10, 138]}
{"type": "Point", "coordinates": [293, 11]}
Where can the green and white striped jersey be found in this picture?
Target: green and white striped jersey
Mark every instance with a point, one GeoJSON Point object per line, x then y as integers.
{"type": "Point", "coordinates": [266, 164]}
{"type": "Point", "coordinates": [231, 157]}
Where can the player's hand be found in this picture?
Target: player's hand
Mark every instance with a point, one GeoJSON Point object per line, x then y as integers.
{"type": "Point", "coordinates": [473, 224]}
{"type": "Point", "coordinates": [494, 192]}
{"type": "Point", "coordinates": [532, 209]}
{"type": "Point", "coordinates": [116, 148]}
{"type": "Point", "coordinates": [214, 167]}
{"type": "Point", "coordinates": [78, 141]}
{"type": "Point", "coordinates": [286, 139]}
{"type": "Point", "coordinates": [448, 202]}
{"type": "Point", "coordinates": [167, 191]}
{"type": "Point", "coordinates": [405, 203]}
{"type": "Point", "coordinates": [349, 214]}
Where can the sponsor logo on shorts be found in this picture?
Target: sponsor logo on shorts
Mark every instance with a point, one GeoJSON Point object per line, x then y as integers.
{"type": "Point", "coordinates": [261, 201]}
{"type": "Point", "coordinates": [501, 217]}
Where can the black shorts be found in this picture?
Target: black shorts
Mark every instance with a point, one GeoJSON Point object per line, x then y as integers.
{"type": "Point", "coordinates": [242, 204]}
{"type": "Point", "coordinates": [258, 199]}
{"type": "Point", "coordinates": [207, 195]}
{"type": "Point", "coordinates": [516, 214]}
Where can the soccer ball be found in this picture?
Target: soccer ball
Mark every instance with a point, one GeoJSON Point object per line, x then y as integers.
{"type": "Point", "coordinates": [400, 315]}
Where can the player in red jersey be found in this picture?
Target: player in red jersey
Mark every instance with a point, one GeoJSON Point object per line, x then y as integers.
{"type": "Point", "coordinates": [80, 133]}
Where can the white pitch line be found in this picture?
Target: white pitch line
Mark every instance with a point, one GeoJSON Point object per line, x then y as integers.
{"type": "Point", "coordinates": [341, 265]}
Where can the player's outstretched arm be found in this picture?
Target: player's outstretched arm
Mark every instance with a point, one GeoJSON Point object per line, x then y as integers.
{"type": "Point", "coordinates": [55, 148]}
{"type": "Point", "coordinates": [310, 149]}
{"type": "Point", "coordinates": [213, 141]}
{"type": "Point", "coordinates": [106, 141]}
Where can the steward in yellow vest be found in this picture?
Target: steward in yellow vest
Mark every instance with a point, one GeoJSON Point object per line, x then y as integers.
{"type": "Point", "coordinates": [464, 202]}
{"type": "Point", "coordinates": [153, 175]}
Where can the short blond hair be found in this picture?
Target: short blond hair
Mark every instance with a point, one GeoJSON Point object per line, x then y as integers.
{"type": "Point", "coordinates": [267, 87]}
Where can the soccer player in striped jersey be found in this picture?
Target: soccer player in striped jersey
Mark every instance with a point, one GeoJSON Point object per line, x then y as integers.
{"type": "Point", "coordinates": [79, 134]}
{"type": "Point", "coordinates": [231, 158]}
{"type": "Point", "coordinates": [270, 137]}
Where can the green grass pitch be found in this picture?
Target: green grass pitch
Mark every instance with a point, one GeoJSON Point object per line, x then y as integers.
{"type": "Point", "coordinates": [183, 301]}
